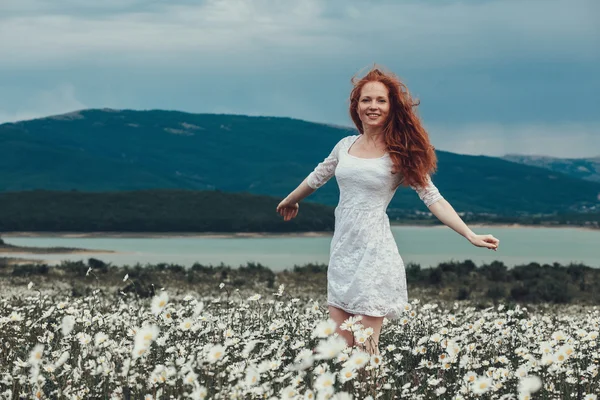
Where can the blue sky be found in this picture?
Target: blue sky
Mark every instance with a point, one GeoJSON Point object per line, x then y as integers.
{"type": "Point", "coordinates": [493, 77]}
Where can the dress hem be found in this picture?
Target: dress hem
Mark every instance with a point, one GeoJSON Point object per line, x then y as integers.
{"type": "Point", "coordinates": [389, 315]}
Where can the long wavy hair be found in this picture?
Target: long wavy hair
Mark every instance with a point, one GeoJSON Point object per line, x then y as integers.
{"type": "Point", "coordinates": [406, 140]}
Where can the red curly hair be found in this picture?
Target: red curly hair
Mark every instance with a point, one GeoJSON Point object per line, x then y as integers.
{"type": "Point", "coordinates": [406, 140]}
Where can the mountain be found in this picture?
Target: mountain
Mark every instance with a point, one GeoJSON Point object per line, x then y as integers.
{"type": "Point", "coordinates": [582, 168]}
{"type": "Point", "coordinates": [118, 150]}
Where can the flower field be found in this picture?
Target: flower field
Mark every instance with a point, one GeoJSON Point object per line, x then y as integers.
{"type": "Point", "coordinates": [231, 345]}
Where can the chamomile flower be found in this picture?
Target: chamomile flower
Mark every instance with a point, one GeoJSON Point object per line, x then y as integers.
{"type": "Point", "coordinates": [324, 328]}
{"type": "Point", "coordinates": [481, 385]}
{"type": "Point", "coordinates": [358, 360]}
{"type": "Point", "coordinates": [346, 374]}
{"type": "Point", "coordinates": [216, 353]}
{"type": "Point", "coordinates": [159, 302]}
{"type": "Point", "coordinates": [330, 347]}
{"type": "Point", "coordinates": [35, 357]}
{"type": "Point", "coordinates": [325, 382]}
{"type": "Point", "coordinates": [530, 384]}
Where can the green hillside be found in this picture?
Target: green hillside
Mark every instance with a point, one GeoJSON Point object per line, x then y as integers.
{"type": "Point", "coordinates": [110, 150]}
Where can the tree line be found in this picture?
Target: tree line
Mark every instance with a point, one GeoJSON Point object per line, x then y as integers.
{"type": "Point", "coordinates": [154, 211]}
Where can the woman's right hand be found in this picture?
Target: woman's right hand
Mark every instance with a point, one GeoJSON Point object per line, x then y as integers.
{"type": "Point", "coordinates": [287, 209]}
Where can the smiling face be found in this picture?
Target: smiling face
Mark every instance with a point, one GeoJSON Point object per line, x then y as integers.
{"type": "Point", "coordinates": [373, 104]}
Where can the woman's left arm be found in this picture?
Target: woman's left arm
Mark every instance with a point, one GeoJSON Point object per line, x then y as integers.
{"type": "Point", "coordinates": [447, 215]}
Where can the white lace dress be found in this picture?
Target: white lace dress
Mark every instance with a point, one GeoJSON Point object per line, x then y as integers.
{"type": "Point", "coordinates": [366, 272]}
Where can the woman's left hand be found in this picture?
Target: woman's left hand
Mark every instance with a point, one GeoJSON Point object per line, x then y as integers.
{"type": "Point", "coordinates": [488, 241]}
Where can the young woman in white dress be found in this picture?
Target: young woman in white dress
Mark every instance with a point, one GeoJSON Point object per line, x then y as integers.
{"type": "Point", "coordinates": [366, 274]}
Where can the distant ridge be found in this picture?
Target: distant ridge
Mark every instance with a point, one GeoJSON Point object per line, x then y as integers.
{"type": "Point", "coordinates": [582, 168]}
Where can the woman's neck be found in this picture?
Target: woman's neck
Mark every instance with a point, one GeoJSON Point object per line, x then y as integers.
{"type": "Point", "coordinates": [373, 135]}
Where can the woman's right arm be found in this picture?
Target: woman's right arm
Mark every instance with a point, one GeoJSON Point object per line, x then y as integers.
{"type": "Point", "coordinates": [325, 170]}
{"type": "Point", "coordinates": [288, 207]}
{"type": "Point", "coordinates": [302, 191]}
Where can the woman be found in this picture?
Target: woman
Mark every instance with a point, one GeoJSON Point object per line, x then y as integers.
{"type": "Point", "coordinates": [366, 275]}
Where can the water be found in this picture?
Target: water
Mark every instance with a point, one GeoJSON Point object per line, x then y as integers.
{"type": "Point", "coordinates": [424, 245]}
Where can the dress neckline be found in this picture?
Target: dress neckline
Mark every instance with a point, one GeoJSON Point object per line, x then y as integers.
{"type": "Point", "coordinates": [363, 158]}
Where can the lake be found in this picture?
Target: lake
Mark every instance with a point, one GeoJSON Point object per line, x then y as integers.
{"type": "Point", "coordinates": [424, 245]}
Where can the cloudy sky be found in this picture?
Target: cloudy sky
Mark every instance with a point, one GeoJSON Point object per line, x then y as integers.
{"type": "Point", "coordinates": [493, 77]}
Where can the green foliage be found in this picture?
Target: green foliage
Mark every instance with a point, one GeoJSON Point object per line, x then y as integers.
{"type": "Point", "coordinates": [463, 293]}
{"type": "Point", "coordinates": [496, 291]}
{"type": "Point", "coordinates": [30, 269]}
{"type": "Point", "coordinates": [154, 211]}
{"type": "Point", "coordinates": [310, 268]}
{"type": "Point", "coordinates": [530, 283]}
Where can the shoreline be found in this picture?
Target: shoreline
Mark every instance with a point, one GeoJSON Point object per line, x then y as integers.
{"type": "Point", "coordinates": [224, 235]}
{"type": "Point", "coordinates": [12, 249]}
{"type": "Point", "coordinates": [158, 235]}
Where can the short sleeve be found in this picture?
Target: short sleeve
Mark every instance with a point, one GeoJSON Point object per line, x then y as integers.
{"type": "Point", "coordinates": [429, 194]}
{"type": "Point", "coordinates": [325, 170]}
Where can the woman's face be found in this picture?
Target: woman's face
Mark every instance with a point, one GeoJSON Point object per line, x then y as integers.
{"type": "Point", "coordinates": [373, 104]}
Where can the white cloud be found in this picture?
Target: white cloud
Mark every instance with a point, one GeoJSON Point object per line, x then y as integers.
{"type": "Point", "coordinates": [273, 31]}
{"type": "Point", "coordinates": [58, 100]}
{"type": "Point", "coordinates": [560, 140]}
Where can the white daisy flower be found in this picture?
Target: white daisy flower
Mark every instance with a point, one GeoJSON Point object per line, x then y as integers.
{"type": "Point", "coordinates": [470, 377]}
{"type": "Point", "coordinates": [15, 317]}
{"type": "Point", "coordinates": [100, 338]}
{"type": "Point", "coordinates": [186, 325]}
{"type": "Point", "coordinates": [560, 357]}
{"type": "Point", "coordinates": [199, 393]}
{"type": "Point", "coordinates": [330, 347]}
{"type": "Point", "coordinates": [252, 376]}
{"type": "Point", "coordinates": [159, 302]}
{"type": "Point", "coordinates": [436, 338]}
{"type": "Point", "coordinates": [325, 382]}
{"type": "Point", "coordinates": [35, 357]}
{"type": "Point", "coordinates": [190, 378]}
{"type": "Point", "coordinates": [324, 328]}
{"type": "Point", "coordinates": [481, 385]}
{"type": "Point", "coordinates": [346, 374]}
{"type": "Point", "coordinates": [288, 393]}
{"type": "Point", "coordinates": [376, 360]}
{"type": "Point", "coordinates": [360, 337]}
{"type": "Point", "coordinates": [358, 360]}
{"type": "Point", "coordinates": [216, 353]}
{"type": "Point", "coordinates": [351, 323]}
{"type": "Point", "coordinates": [530, 384]}
{"type": "Point", "coordinates": [342, 396]}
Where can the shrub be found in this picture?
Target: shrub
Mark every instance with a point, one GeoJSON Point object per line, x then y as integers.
{"type": "Point", "coordinates": [30, 269]}
{"type": "Point", "coordinates": [463, 293]}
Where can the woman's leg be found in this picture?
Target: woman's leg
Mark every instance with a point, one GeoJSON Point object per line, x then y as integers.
{"type": "Point", "coordinates": [339, 316]}
{"type": "Point", "coordinates": [372, 345]}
